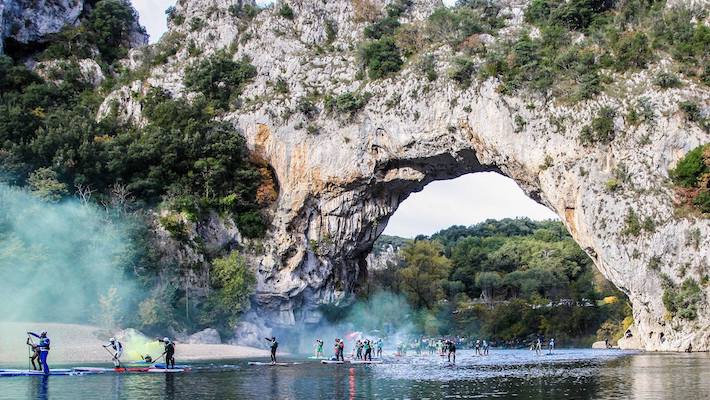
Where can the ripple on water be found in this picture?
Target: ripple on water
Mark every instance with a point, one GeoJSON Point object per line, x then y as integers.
{"type": "Point", "coordinates": [562, 364]}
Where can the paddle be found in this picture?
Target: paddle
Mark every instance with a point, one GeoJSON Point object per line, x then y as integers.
{"type": "Point", "coordinates": [159, 357]}
{"type": "Point", "coordinates": [113, 357]}
{"type": "Point", "coordinates": [29, 352]}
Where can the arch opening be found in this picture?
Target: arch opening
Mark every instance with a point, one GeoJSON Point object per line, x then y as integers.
{"type": "Point", "coordinates": [512, 269]}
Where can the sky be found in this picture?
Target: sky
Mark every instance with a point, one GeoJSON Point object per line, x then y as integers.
{"type": "Point", "coordinates": [462, 201]}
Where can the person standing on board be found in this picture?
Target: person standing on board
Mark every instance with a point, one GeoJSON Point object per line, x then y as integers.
{"type": "Point", "coordinates": [336, 349]}
{"type": "Point", "coordinates": [368, 350]}
{"type": "Point", "coordinates": [319, 348]}
{"type": "Point", "coordinates": [379, 348]}
{"type": "Point", "coordinates": [43, 346]}
{"type": "Point", "coordinates": [538, 346]}
{"type": "Point", "coordinates": [341, 350]}
{"type": "Point", "coordinates": [117, 351]}
{"type": "Point", "coordinates": [274, 346]}
{"type": "Point", "coordinates": [169, 352]}
{"type": "Point", "coordinates": [551, 346]}
{"type": "Point", "coordinates": [451, 350]}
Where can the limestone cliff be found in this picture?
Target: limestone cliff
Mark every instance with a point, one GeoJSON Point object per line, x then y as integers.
{"type": "Point", "coordinates": [29, 22]}
{"type": "Point", "coordinates": [342, 176]}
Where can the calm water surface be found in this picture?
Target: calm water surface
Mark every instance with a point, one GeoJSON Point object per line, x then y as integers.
{"type": "Point", "coordinates": [505, 374]}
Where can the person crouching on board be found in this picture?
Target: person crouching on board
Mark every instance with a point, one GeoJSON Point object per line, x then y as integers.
{"type": "Point", "coordinates": [43, 346]}
{"type": "Point", "coordinates": [169, 352]}
{"type": "Point", "coordinates": [274, 346]}
{"type": "Point", "coordinates": [117, 351]}
{"type": "Point", "coordinates": [34, 356]}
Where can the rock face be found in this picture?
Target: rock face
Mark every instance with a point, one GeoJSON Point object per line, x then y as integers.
{"type": "Point", "coordinates": [340, 183]}
{"type": "Point", "coordinates": [28, 21]}
{"type": "Point", "coordinates": [33, 21]}
{"type": "Point", "coordinates": [205, 336]}
{"type": "Point", "coordinates": [385, 256]}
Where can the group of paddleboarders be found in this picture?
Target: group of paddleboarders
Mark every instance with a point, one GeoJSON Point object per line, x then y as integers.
{"type": "Point", "coordinates": [40, 351]}
{"type": "Point", "coordinates": [537, 346]}
{"type": "Point", "coordinates": [366, 346]}
{"type": "Point", "coordinates": [481, 347]}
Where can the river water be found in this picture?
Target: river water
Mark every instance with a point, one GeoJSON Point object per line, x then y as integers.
{"type": "Point", "coordinates": [504, 374]}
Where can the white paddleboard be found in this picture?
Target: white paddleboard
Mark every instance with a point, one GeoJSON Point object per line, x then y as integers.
{"type": "Point", "coordinates": [268, 364]}
{"type": "Point", "coordinates": [165, 371]}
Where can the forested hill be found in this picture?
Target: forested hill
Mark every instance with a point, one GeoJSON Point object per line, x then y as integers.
{"type": "Point", "coordinates": [504, 279]}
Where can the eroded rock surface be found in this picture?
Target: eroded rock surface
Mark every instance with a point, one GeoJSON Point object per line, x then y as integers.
{"type": "Point", "coordinates": [340, 183]}
{"type": "Point", "coordinates": [34, 21]}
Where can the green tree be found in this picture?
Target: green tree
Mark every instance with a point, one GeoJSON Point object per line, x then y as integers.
{"type": "Point", "coordinates": [111, 22]}
{"type": "Point", "coordinates": [45, 185]}
{"type": "Point", "coordinates": [425, 272]}
{"type": "Point", "coordinates": [233, 282]}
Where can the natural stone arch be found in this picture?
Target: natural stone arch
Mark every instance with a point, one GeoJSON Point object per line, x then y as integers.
{"type": "Point", "coordinates": [342, 199]}
{"type": "Point", "coordinates": [340, 182]}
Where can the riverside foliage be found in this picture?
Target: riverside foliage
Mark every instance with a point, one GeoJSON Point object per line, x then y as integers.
{"type": "Point", "coordinates": [507, 280]}
{"type": "Point", "coordinates": [182, 159]}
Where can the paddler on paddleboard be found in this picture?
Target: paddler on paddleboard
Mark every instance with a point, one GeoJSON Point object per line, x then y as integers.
{"type": "Point", "coordinates": [117, 351]}
{"type": "Point", "coordinates": [169, 352]}
{"type": "Point", "coordinates": [43, 346]}
{"type": "Point", "coordinates": [274, 346]}
{"type": "Point", "coordinates": [319, 348]}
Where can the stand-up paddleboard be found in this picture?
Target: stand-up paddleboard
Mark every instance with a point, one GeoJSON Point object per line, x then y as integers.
{"type": "Point", "coordinates": [178, 366]}
{"type": "Point", "coordinates": [150, 370]}
{"type": "Point", "coordinates": [57, 372]}
{"type": "Point", "coordinates": [166, 370]}
{"type": "Point", "coordinates": [270, 364]}
{"type": "Point", "coordinates": [365, 361]}
{"type": "Point", "coordinates": [95, 370]}
{"type": "Point", "coordinates": [317, 358]}
{"type": "Point", "coordinates": [332, 362]}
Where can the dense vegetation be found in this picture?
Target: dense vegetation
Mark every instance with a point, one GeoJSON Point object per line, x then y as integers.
{"type": "Point", "coordinates": [506, 280]}
{"type": "Point", "coordinates": [692, 177]}
{"type": "Point", "coordinates": [182, 160]}
{"type": "Point", "coordinates": [617, 37]}
{"type": "Point", "coordinates": [580, 45]}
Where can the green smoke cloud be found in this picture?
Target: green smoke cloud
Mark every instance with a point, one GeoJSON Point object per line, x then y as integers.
{"type": "Point", "coordinates": [61, 262]}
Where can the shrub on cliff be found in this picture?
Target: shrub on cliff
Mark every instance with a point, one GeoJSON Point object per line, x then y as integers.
{"type": "Point", "coordinates": [285, 11]}
{"type": "Point", "coordinates": [346, 103]}
{"type": "Point", "coordinates": [691, 167]}
{"type": "Point", "coordinates": [107, 28]}
{"type": "Point", "coordinates": [683, 301]}
{"type": "Point", "coordinates": [232, 283]}
{"type": "Point", "coordinates": [219, 77]}
{"type": "Point", "coordinates": [381, 57]}
{"type": "Point", "coordinates": [601, 130]}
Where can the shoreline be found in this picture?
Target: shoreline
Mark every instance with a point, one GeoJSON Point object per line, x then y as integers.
{"type": "Point", "coordinates": [75, 343]}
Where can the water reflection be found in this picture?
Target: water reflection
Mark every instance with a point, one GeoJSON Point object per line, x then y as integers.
{"type": "Point", "coordinates": [579, 374]}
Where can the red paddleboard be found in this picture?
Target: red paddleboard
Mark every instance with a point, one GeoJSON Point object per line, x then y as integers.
{"type": "Point", "coordinates": [132, 369]}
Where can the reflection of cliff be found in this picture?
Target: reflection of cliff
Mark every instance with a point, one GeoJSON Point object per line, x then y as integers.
{"type": "Point", "coordinates": [668, 376]}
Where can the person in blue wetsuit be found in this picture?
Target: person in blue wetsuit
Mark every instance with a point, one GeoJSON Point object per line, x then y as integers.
{"type": "Point", "coordinates": [43, 346]}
